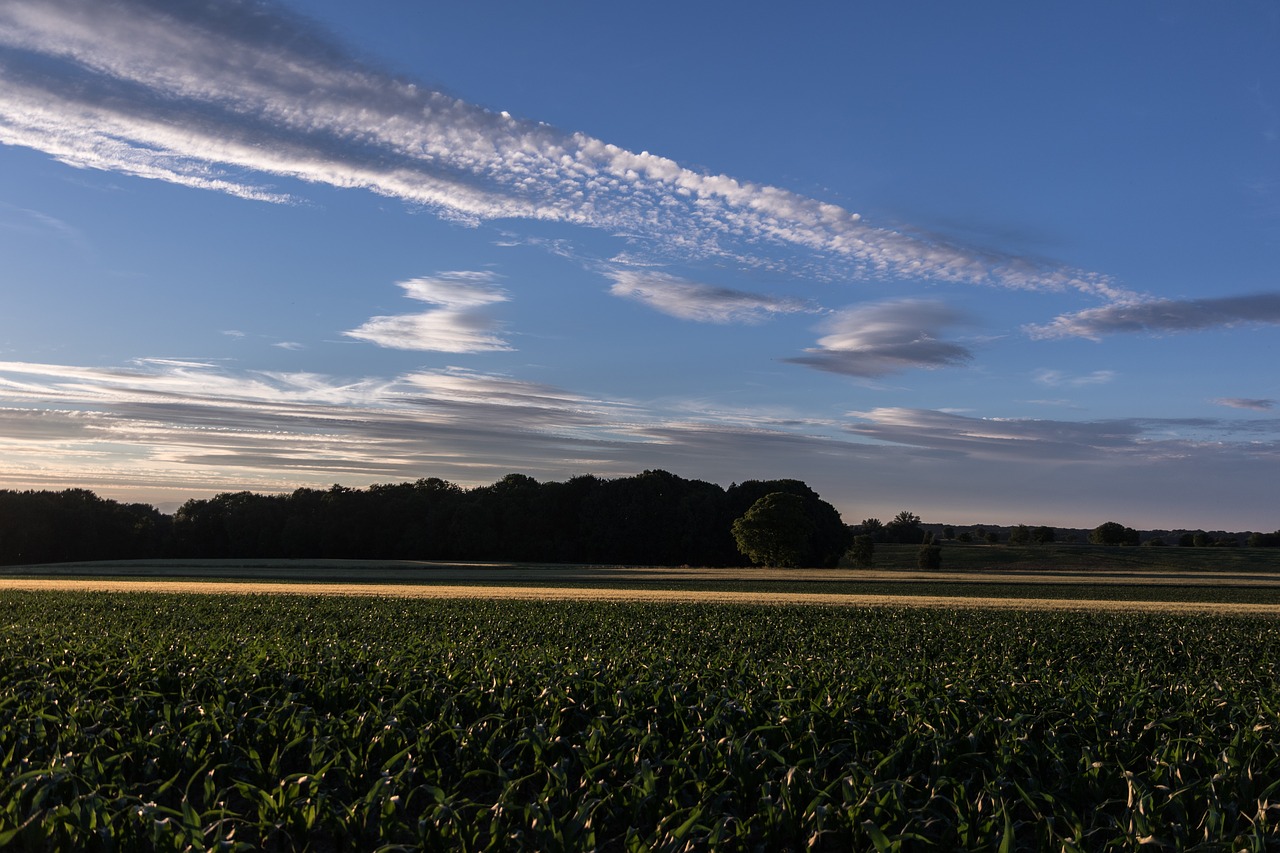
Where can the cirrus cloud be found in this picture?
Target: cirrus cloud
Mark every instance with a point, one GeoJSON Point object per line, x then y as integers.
{"type": "Point", "coordinates": [234, 95]}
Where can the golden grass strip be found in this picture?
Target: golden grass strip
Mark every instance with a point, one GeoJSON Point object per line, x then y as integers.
{"type": "Point", "coordinates": [620, 595]}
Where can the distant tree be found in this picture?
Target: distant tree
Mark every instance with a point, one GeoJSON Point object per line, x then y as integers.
{"type": "Point", "coordinates": [1201, 540]}
{"type": "Point", "coordinates": [964, 536]}
{"type": "Point", "coordinates": [1155, 542]}
{"type": "Point", "coordinates": [905, 529]}
{"type": "Point", "coordinates": [1113, 533]}
{"type": "Point", "coordinates": [991, 537]}
{"type": "Point", "coordinates": [1043, 535]}
{"type": "Point", "coordinates": [776, 531]}
{"type": "Point", "coordinates": [948, 532]}
{"type": "Point", "coordinates": [1187, 540]}
{"type": "Point", "coordinates": [863, 551]}
{"type": "Point", "coordinates": [1020, 535]}
{"type": "Point", "coordinates": [872, 527]}
{"type": "Point", "coordinates": [929, 559]}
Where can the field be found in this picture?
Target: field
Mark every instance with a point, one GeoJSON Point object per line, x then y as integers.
{"type": "Point", "coordinates": [674, 711]}
{"type": "Point", "coordinates": [1067, 573]}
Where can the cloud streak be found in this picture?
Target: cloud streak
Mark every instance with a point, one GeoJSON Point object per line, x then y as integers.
{"type": "Point", "coordinates": [1143, 440]}
{"type": "Point", "coordinates": [460, 325]}
{"type": "Point", "coordinates": [234, 95]}
{"type": "Point", "coordinates": [1252, 404]}
{"type": "Point", "coordinates": [1163, 315]}
{"type": "Point", "coordinates": [687, 300]}
{"type": "Point", "coordinates": [1056, 378]}
{"type": "Point", "coordinates": [186, 428]}
{"type": "Point", "coordinates": [888, 337]}
{"type": "Point", "coordinates": [191, 427]}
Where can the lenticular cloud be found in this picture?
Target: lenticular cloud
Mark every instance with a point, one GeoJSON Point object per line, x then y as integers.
{"type": "Point", "coordinates": [235, 95]}
{"type": "Point", "coordinates": [458, 325]}
{"type": "Point", "coordinates": [888, 337]}
{"type": "Point", "coordinates": [688, 300]}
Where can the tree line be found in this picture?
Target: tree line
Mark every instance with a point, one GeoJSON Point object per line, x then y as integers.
{"type": "Point", "coordinates": [76, 524]}
{"type": "Point", "coordinates": [654, 518]}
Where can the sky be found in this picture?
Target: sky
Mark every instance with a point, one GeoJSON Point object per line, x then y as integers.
{"type": "Point", "coordinates": [986, 262]}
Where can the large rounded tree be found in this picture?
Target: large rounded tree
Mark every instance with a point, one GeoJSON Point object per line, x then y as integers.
{"type": "Point", "coordinates": [776, 531]}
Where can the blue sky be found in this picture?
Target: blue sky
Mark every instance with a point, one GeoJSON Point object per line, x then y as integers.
{"type": "Point", "coordinates": [1002, 263]}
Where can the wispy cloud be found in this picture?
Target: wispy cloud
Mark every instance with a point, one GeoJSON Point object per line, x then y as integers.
{"type": "Point", "coordinates": [461, 324]}
{"type": "Point", "coordinates": [33, 222]}
{"type": "Point", "coordinates": [1246, 403]}
{"type": "Point", "coordinates": [703, 303]}
{"type": "Point", "coordinates": [1163, 315]}
{"type": "Point", "coordinates": [1056, 378]}
{"type": "Point", "coordinates": [1048, 441]}
{"type": "Point", "coordinates": [887, 337]}
{"type": "Point", "coordinates": [234, 95]}
{"type": "Point", "coordinates": [184, 425]}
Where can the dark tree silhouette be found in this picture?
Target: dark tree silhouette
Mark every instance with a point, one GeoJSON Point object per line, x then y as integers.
{"type": "Point", "coordinates": [775, 531]}
{"type": "Point", "coordinates": [905, 529]}
{"type": "Point", "coordinates": [863, 552]}
{"type": "Point", "coordinates": [653, 518]}
{"type": "Point", "coordinates": [1043, 535]}
{"type": "Point", "coordinates": [929, 558]}
{"type": "Point", "coordinates": [1113, 533]}
{"type": "Point", "coordinates": [76, 524]}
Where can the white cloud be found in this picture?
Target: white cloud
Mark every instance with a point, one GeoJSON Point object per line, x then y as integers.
{"type": "Point", "coordinates": [231, 96]}
{"type": "Point", "coordinates": [703, 303]}
{"type": "Point", "coordinates": [887, 337]}
{"type": "Point", "coordinates": [1163, 315]}
{"type": "Point", "coordinates": [460, 325]}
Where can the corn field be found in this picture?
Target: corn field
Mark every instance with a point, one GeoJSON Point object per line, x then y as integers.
{"type": "Point", "coordinates": [168, 722]}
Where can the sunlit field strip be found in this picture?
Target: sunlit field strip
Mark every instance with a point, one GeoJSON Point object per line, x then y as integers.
{"type": "Point", "coordinates": [514, 593]}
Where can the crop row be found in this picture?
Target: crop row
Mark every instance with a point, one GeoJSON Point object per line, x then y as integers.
{"type": "Point", "coordinates": [150, 721]}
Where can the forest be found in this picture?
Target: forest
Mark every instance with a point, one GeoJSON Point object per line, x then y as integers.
{"type": "Point", "coordinates": [655, 518]}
